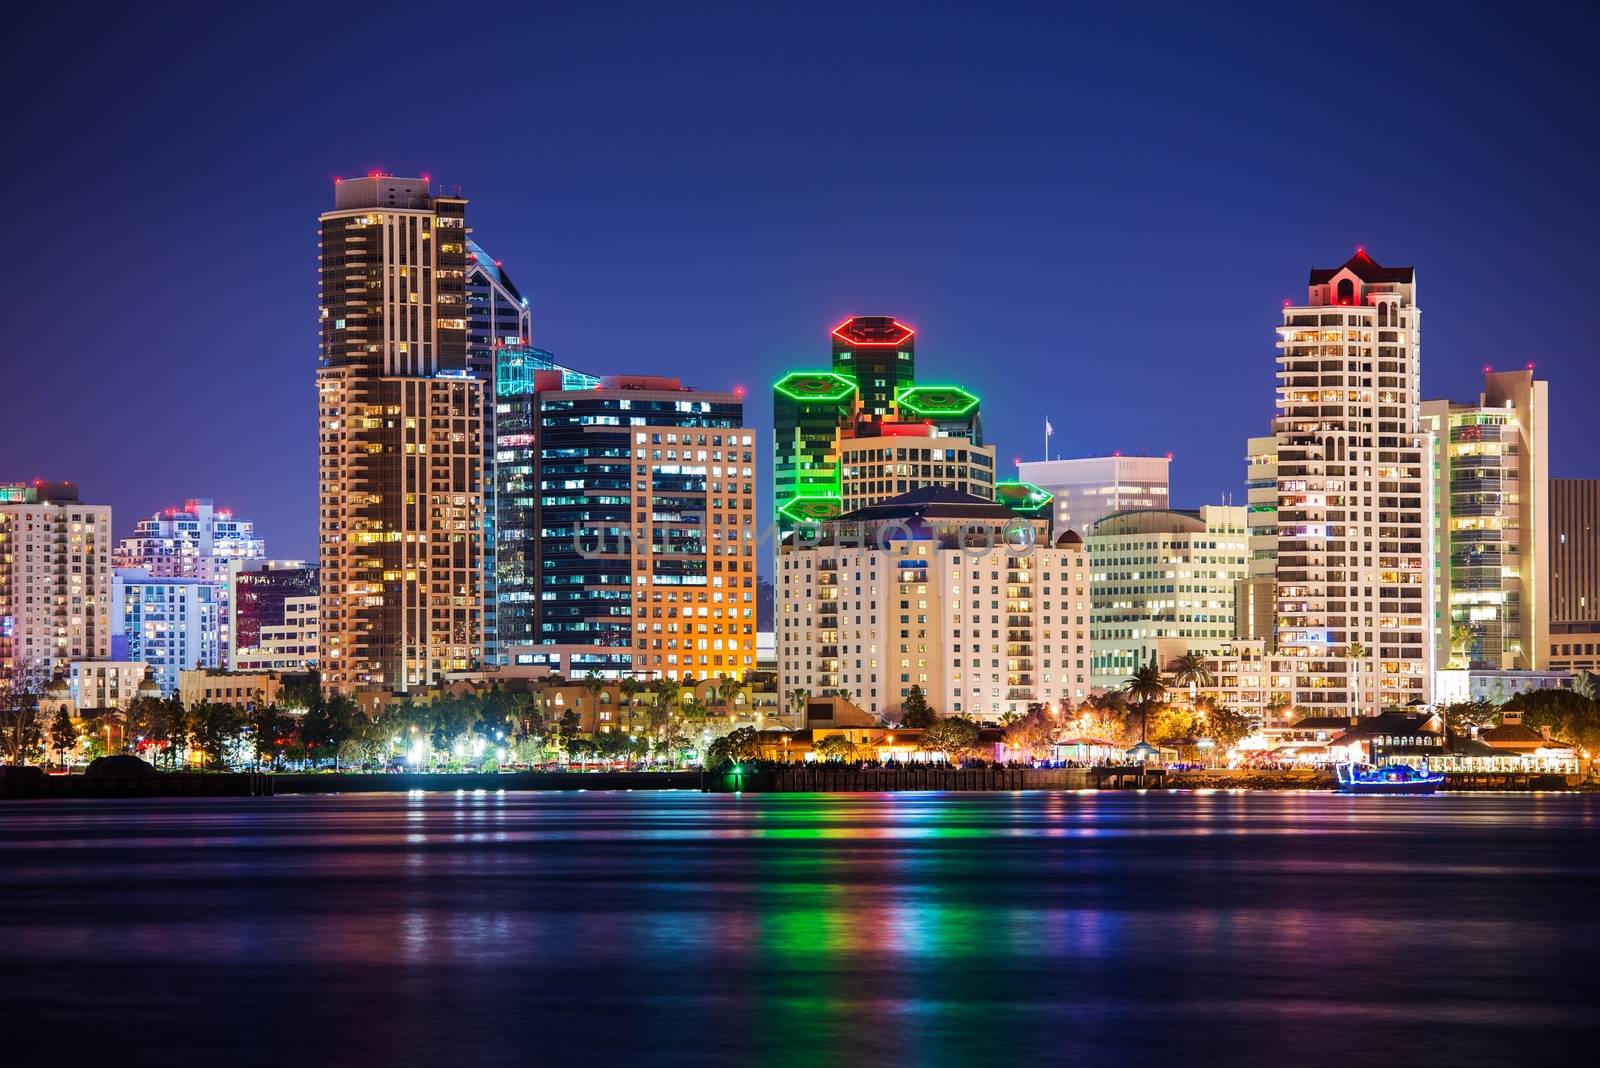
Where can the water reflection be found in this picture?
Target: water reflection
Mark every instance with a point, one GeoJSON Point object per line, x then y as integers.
{"type": "Point", "coordinates": [487, 927]}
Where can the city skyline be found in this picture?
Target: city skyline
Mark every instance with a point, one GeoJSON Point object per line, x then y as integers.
{"type": "Point", "coordinates": [1027, 262]}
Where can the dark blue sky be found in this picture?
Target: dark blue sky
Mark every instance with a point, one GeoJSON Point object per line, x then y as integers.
{"type": "Point", "coordinates": [1090, 215]}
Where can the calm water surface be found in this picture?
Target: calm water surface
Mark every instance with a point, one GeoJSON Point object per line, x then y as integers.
{"type": "Point", "coordinates": [908, 928]}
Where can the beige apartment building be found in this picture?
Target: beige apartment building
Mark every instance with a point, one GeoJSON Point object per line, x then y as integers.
{"type": "Point", "coordinates": [55, 581]}
{"type": "Point", "coordinates": [982, 608]}
{"type": "Point", "coordinates": [1353, 561]}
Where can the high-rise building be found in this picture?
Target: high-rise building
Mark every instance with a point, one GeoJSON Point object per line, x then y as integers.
{"type": "Point", "coordinates": [497, 316]}
{"type": "Point", "coordinates": [199, 541]}
{"type": "Point", "coordinates": [832, 428]}
{"type": "Point", "coordinates": [644, 561]}
{"type": "Point", "coordinates": [170, 625]}
{"type": "Point", "coordinates": [516, 455]}
{"type": "Point", "coordinates": [274, 615]}
{"type": "Point", "coordinates": [1574, 642]}
{"type": "Point", "coordinates": [939, 589]}
{"type": "Point", "coordinates": [879, 354]}
{"type": "Point", "coordinates": [1256, 599]}
{"type": "Point", "coordinates": [55, 581]}
{"type": "Point", "coordinates": [1088, 489]}
{"type": "Point", "coordinates": [1353, 562]}
{"type": "Point", "coordinates": [1492, 526]}
{"type": "Point", "coordinates": [876, 468]}
{"type": "Point", "coordinates": [401, 440]}
{"type": "Point", "coordinates": [1162, 584]}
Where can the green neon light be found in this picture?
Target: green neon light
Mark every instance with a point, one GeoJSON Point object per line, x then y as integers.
{"type": "Point", "coordinates": [936, 401]}
{"type": "Point", "coordinates": [812, 509]}
{"type": "Point", "coordinates": [1022, 496]}
{"type": "Point", "coordinates": [815, 386]}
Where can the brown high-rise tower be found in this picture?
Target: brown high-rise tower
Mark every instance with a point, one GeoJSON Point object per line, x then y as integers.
{"type": "Point", "coordinates": [400, 440]}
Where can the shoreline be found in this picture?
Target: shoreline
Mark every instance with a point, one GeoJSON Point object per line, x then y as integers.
{"type": "Point", "coordinates": [782, 779]}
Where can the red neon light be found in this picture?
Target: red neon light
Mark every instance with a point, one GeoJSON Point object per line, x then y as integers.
{"type": "Point", "coordinates": [904, 430]}
{"type": "Point", "coordinates": [907, 333]}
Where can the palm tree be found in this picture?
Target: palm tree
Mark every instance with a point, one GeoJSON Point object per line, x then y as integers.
{"type": "Point", "coordinates": [728, 690]}
{"type": "Point", "coordinates": [797, 703]}
{"type": "Point", "coordinates": [1145, 687]}
{"type": "Point", "coordinates": [1190, 670]}
{"type": "Point", "coordinates": [1354, 652]}
{"type": "Point", "coordinates": [630, 687]}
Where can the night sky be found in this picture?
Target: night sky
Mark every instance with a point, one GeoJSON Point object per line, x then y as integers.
{"type": "Point", "coordinates": [1093, 216]}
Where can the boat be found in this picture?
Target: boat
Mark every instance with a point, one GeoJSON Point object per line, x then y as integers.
{"type": "Point", "coordinates": [1389, 779]}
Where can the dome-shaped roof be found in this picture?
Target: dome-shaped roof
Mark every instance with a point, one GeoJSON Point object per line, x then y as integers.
{"type": "Point", "coordinates": [149, 688]}
{"type": "Point", "coordinates": [57, 685]}
{"type": "Point", "coordinates": [1069, 537]}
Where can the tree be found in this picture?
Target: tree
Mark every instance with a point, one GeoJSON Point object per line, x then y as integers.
{"type": "Point", "coordinates": [798, 697]}
{"type": "Point", "coordinates": [1225, 726]}
{"type": "Point", "coordinates": [734, 747]}
{"type": "Point", "coordinates": [596, 686]}
{"type": "Point", "coordinates": [1570, 716]}
{"type": "Point", "coordinates": [214, 727]}
{"type": "Point", "coordinates": [1191, 670]}
{"type": "Point", "coordinates": [1032, 734]}
{"type": "Point", "coordinates": [914, 710]}
{"type": "Point", "coordinates": [266, 725]}
{"type": "Point", "coordinates": [954, 736]}
{"type": "Point", "coordinates": [836, 747]}
{"type": "Point", "coordinates": [728, 690]}
{"type": "Point", "coordinates": [1145, 688]}
{"type": "Point", "coordinates": [21, 733]}
{"type": "Point", "coordinates": [630, 687]}
{"type": "Point", "coordinates": [63, 735]}
{"type": "Point", "coordinates": [1463, 716]}
{"type": "Point", "coordinates": [138, 720]}
{"type": "Point", "coordinates": [328, 724]}
{"type": "Point", "coordinates": [167, 726]}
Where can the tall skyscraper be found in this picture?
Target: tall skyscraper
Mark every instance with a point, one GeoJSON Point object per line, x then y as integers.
{"type": "Point", "coordinates": [55, 581]}
{"type": "Point", "coordinates": [497, 316]}
{"type": "Point", "coordinates": [1574, 574]}
{"type": "Point", "coordinates": [1354, 582]}
{"type": "Point", "coordinates": [198, 541]}
{"type": "Point", "coordinates": [1162, 584]}
{"type": "Point", "coordinates": [1088, 489]}
{"type": "Point", "coordinates": [645, 524]}
{"type": "Point", "coordinates": [401, 440]}
{"type": "Point", "coordinates": [1492, 525]}
{"type": "Point", "coordinates": [865, 430]}
{"type": "Point", "coordinates": [516, 458]}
